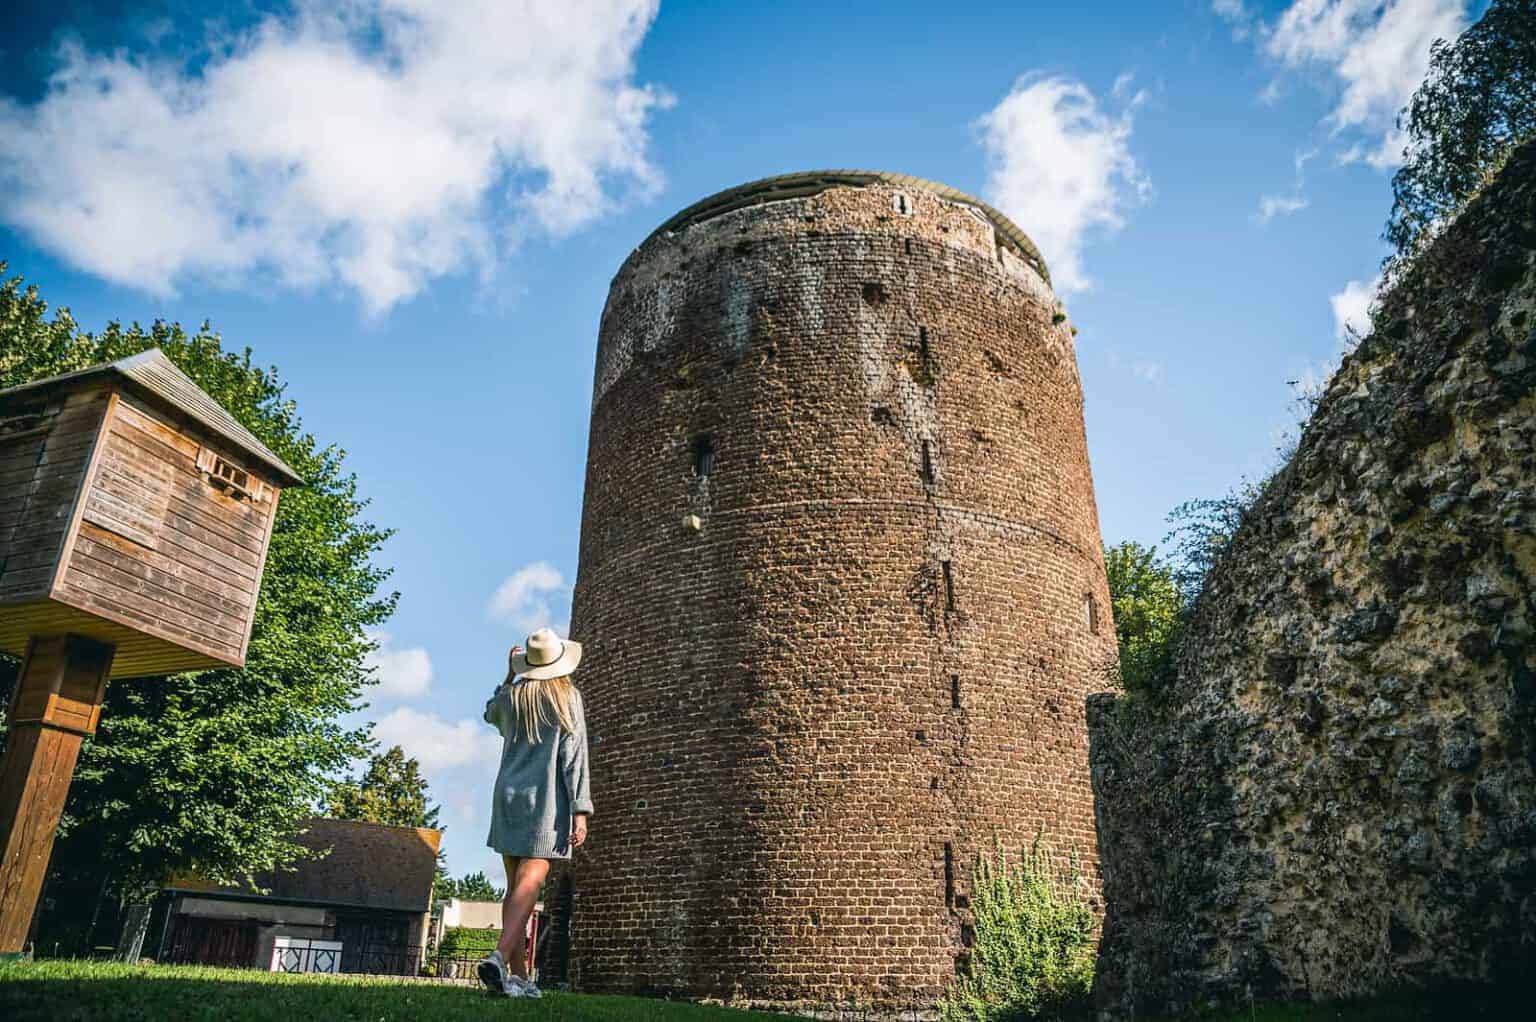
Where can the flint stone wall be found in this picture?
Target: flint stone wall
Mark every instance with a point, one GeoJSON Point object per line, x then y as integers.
{"type": "Point", "coordinates": [1337, 795]}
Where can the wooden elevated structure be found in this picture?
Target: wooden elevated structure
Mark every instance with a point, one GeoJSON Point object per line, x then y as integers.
{"type": "Point", "coordinates": [135, 514]}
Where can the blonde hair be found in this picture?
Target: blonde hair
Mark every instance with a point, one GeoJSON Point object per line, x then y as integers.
{"type": "Point", "coordinates": [541, 701]}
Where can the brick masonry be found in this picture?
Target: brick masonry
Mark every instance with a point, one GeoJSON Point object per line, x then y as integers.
{"type": "Point", "coordinates": [866, 658]}
{"type": "Point", "coordinates": [1338, 794]}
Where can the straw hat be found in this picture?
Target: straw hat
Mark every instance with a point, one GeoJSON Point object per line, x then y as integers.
{"type": "Point", "coordinates": [546, 656]}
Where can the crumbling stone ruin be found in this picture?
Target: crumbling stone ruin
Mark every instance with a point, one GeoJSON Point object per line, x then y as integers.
{"type": "Point", "coordinates": [1336, 796]}
{"type": "Point", "coordinates": [843, 588]}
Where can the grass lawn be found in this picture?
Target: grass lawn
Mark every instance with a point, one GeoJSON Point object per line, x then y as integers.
{"type": "Point", "coordinates": [60, 991]}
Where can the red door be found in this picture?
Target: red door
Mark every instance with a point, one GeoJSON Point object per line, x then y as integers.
{"type": "Point", "coordinates": [196, 940]}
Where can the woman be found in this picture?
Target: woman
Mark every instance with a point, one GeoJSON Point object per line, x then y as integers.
{"type": "Point", "coordinates": [541, 803]}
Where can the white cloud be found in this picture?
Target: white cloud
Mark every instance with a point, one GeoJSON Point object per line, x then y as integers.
{"type": "Point", "coordinates": [1352, 309]}
{"type": "Point", "coordinates": [379, 145]}
{"type": "Point", "coordinates": [1377, 53]}
{"type": "Point", "coordinates": [459, 758]}
{"type": "Point", "coordinates": [1061, 166]}
{"type": "Point", "coordinates": [532, 597]}
{"type": "Point", "coordinates": [438, 744]}
{"type": "Point", "coordinates": [1143, 369]}
{"type": "Point", "coordinates": [1271, 206]}
{"type": "Point", "coordinates": [401, 673]}
{"type": "Point", "coordinates": [1237, 13]}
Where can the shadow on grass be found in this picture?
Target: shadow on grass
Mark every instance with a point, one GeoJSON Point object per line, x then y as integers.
{"type": "Point", "coordinates": [70, 991]}
{"type": "Point", "coordinates": [1445, 1003]}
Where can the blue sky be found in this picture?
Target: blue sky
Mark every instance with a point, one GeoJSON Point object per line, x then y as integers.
{"type": "Point", "coordinates": [414, 209]}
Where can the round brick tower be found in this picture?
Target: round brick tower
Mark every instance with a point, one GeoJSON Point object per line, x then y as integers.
{"type": "Point", "coordinates": [842, 587]}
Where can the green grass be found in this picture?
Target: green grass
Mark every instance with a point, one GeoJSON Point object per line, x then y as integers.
{"type": "Point", "coordinates": [60, 991]}
{"type": "Point", "coordinates": [63, 991]}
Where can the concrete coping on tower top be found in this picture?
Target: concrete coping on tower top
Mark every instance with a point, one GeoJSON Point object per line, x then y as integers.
{"type": "Point", "coordinates": [813, 182]}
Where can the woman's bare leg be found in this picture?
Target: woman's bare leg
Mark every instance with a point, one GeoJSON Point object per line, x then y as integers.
{"type": "Point", "coordinates": [524, 876]}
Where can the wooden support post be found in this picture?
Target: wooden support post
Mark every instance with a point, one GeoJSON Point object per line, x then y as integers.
{"type": "Point", "coordinates": [57, 702]}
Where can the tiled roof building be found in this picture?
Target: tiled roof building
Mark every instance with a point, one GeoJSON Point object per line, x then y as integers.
{"type": "Point", "coordinates": [366, 898]}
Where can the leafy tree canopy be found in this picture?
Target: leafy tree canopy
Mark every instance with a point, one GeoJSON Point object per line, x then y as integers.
{"type": "Point", "coordinates": [390, 791]}
{"type": "Point", "coordinates": [474, 887]}
{"type": "Point", "coordinates": [1201, 530]}
{"type": "Point", "coordinates": [211, 771]}
{"type": "Point", "coordinates": [1149, 618]}
{"type": "Point", "coordinates": [1476, 104]}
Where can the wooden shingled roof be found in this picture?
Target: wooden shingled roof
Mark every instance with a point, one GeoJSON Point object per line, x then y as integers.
{"type": "Point", "coordinates": [365, 865]}
{"type": "Point", "coordinates": [152, 373]}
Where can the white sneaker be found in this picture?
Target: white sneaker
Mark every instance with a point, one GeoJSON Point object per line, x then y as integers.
{"type": "Point", "coordinates": [493, 972]}
{"type": "Point", "coordinates": [519, 987]}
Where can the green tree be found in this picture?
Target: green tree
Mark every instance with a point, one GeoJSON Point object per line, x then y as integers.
{"type": "Point", "coordinates": [1476, 104]}
{"type": "Point", "coordinates": [1149, 615]}
{"type": "Point", "coordinates": [473, 887]}
{"type": "Point", "coordinates": [1201, 530]}
{"type": "Point", "coordinates": [212, 771]}
{"type": "Point", "coordinates": [390, 791]}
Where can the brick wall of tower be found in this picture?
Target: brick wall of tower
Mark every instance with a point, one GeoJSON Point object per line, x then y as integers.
{"type": "Point", "coordinates": [810, 715]}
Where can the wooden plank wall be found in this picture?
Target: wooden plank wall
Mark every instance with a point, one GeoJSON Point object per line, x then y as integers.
{"type": "Point", "coordinates": [40, 476]}
{"type": "Point", "coordinates": [159, 548]}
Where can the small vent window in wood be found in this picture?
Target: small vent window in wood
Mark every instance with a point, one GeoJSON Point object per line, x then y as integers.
{"type": "Point", "coordinates": [230, 478]}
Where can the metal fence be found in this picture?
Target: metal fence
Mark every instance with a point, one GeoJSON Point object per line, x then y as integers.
{"type": "Point", "coordinates": [406, 961]}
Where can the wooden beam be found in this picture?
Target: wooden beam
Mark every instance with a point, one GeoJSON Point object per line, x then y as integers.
{"type": "Point", "coordinates": [57, 702]}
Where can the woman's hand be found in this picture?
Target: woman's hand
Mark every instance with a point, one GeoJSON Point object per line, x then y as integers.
{"type": "Point", "coordinates": [578, 830]}
{"type": "Point", "coordinates": [516, 649]}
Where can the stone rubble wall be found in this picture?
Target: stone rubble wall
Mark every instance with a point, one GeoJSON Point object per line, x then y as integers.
{"type": "Point", "coordinates": [1337, 795]}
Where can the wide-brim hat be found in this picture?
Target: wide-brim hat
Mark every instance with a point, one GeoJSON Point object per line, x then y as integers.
{"type": "Point", "coordinates": [546, 655]}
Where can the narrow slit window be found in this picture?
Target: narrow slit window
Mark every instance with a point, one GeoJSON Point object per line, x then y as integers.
{"type": "Point", "coordinates": [1091, 613]}
{"type": "Point", "coordinates": [901, 204]}
{"type": "Point", "coordinates": [906, 244]}
{"type": "Point", "coordinates": [954, 691]}
{"type": "Point", "coordinates": [703, 455]}
{"type": "Point", "coordinates": [922, 342]}
{"type": "Point", "coordinates": [949, 586]}
{"type": "Point", "coordinates": [949, 873]}
{"type": "Point", "coordinates": [927, 462]}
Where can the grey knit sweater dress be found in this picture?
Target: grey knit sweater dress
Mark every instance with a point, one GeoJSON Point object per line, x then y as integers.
{"type": "Point", "coordinates": [540, 784]}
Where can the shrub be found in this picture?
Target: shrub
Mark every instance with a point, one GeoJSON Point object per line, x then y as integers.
{"type": "Point", "coordinates": [1034, 948]}
{"type": "Point", "coordinates": [467, 942]}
